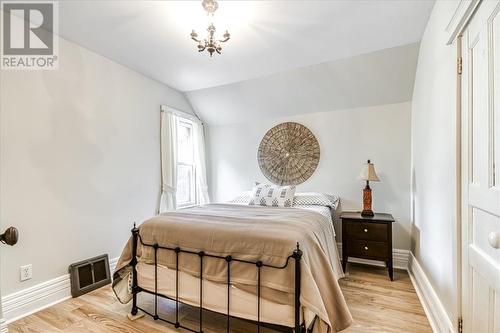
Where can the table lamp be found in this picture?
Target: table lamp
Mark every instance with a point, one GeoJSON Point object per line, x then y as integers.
{"type": "Point", "coordinates": [368, 173]}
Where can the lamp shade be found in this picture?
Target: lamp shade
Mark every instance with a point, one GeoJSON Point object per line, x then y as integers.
{"type": "Point", "coordinates": [368, 172]}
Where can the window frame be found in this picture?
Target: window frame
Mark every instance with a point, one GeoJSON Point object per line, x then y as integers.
{"type": "Point", "coordinates": [181, 121]}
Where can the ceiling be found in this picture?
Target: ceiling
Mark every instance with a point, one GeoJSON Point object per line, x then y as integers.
{"type": "Point", "coordinates": [152, 37]}
{"type": "Point", "coordinates": [375, 78]}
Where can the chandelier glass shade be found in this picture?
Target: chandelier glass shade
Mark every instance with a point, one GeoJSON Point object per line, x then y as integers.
{"type": "Point", "coordinates": [210, 43]}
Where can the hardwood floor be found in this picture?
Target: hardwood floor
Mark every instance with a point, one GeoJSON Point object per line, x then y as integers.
{"type": "Point", "coordinates": [376, 304]}
{"type": "Point", "coordinates": [379, 305]}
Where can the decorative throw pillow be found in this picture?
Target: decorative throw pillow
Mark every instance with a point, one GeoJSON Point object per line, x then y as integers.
{"type": "Point", "coordinates": [272, 195]}
{"type": "Point", "coordinates": [315, 199]}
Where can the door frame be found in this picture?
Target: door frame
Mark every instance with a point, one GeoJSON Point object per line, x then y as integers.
{"type": "Point", "coordinates": [463, 100]}
{"type": "Point", "coordinates": [459, 179]}
{"type": "Point", "coordinates": [457, 24]}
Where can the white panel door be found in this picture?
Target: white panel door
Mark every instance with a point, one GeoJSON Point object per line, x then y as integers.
{"type": "Point", "coordinates": [481, 171]}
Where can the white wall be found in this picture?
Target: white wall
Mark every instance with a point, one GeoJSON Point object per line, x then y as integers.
{"type": "Point", "coordinates": [433, 158]}
{"type": "Point", "coordinates": [79, 160]}
{"type": "Point", "coordinates": [347, 138]}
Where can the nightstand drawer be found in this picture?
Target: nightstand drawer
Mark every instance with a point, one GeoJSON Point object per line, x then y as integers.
{"type": "Point", "coordinates": [368, 249]}
{"type": "Point", "coordinates": [368, 231]}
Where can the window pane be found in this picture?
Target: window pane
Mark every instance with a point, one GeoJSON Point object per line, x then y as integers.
{"type": "Point", "coordinates": [185, 143]}
{"type": "Point", "coordinates": [185, 184]}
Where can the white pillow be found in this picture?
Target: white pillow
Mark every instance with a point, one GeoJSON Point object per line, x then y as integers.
{"type": "Point", "coordinates": [315, 199]}
{"type": "Point", "coordinates": [243, 198]}
{"type": "Point", "coordinates": [272, 195]}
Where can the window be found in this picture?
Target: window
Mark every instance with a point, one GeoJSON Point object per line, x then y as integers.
{"type": "Point", "coordinates": [186, 169]}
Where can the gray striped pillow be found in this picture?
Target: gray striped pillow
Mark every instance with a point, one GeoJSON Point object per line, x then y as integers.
{"type": "Point", "coordinates": [315, 199]}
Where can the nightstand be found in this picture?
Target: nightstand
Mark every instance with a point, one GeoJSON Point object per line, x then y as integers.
{"type": "Point", "coordinates": [367, 237]}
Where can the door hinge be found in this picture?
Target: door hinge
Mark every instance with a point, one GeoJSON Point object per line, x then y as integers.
{"type": "Point", "coordinates": [459, 66]}
{"type": "Point", "coordinates": [460, 325]}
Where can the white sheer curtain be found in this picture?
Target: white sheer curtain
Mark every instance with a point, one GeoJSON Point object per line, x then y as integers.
{"type": "Point", "coordinates": [199, 160]}
{"type": "Point", "coordinates": [168, 143]}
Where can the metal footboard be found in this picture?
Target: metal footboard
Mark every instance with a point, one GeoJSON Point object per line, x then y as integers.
{"type": "Point", "coordinates": [296, 256]}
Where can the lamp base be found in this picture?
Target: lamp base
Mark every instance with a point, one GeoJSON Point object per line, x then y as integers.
{"type": "Point", "coordinates": [367, 201]}
{"type": "Point", "coordinates": [367, 212]}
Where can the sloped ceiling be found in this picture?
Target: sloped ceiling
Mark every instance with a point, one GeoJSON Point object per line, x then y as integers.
{"type": "Point", "coordinates": [376, 78]}
{"type": "Point", "coordinates": [268, 37]}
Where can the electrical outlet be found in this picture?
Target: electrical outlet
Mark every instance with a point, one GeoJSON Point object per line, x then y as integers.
{"type": "Point", "coordinates": [26, 272]}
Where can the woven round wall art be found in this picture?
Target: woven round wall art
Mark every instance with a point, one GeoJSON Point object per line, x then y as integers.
{"type": "Point", "coordinates": [288, 154]}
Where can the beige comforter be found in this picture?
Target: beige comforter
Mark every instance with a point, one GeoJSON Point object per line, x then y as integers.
{"type": "Point", "coordinates": [254, 233]}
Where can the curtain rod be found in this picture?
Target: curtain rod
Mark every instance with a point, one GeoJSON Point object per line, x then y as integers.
{"type": "Point", "coordinates": [166, 108]}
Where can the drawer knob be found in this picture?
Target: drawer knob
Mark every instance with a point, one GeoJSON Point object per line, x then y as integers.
{"type": "Point", "coordinates": [366, 230]}
{"type": "Point", "coordinates": [366, 247]}
{"type": "Point", "coordinates": [494, 239]}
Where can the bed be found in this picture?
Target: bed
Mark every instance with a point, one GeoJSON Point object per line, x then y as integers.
{"type": "Point", "coordinates": [271, 265]}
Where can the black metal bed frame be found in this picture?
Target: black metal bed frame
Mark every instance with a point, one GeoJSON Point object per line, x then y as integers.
{"type": "Point", "coordinates": [299, 326]}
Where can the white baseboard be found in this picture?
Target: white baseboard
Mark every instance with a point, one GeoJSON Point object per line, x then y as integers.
{"type": "Point", "coordinates": [33, 299]}
{"type": "Point", "coordinates": [434, 309]}
{"type": "Point", "coordinates": [25, 302]}
{"type": "Point", "coordinates": [399, 257]}
{"type": "Point", "coordinates": [3, 326]}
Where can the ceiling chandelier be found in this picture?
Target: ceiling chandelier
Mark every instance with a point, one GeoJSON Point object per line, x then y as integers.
{"type": "Point", "coordinates": [210, 43]}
